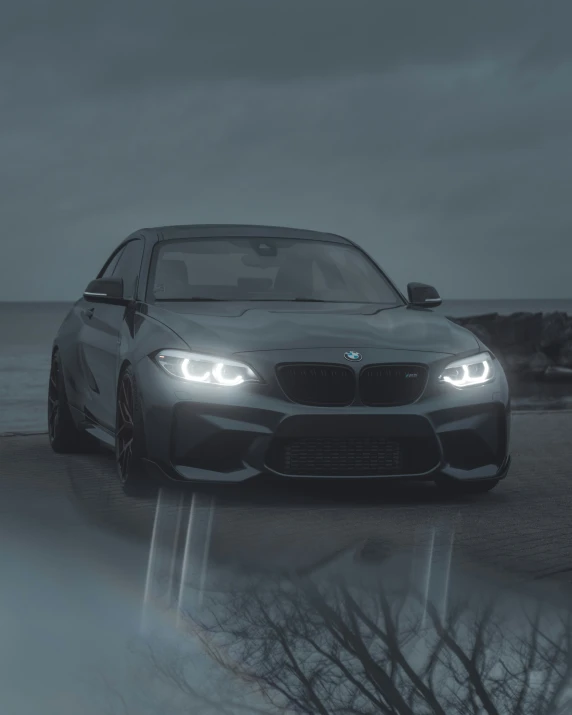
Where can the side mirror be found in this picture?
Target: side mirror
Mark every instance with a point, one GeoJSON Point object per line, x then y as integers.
{"type": "Point", "coordinates": [105, 290]}
{"type": "Point", "coordinates": [423, 296]}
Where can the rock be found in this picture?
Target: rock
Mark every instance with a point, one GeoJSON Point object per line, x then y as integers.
{"type": "Point", "coordinates": [521, 329]}
{"type": "Point", "coordinates": [555, 330]}
{"type": "Point", "coordinates": [516, 363]}
{"type": "Point", "coordinates": [537, 365]}
{"type": "Point", "coordinates": [564, 358]}
{"type": "Point", "coordinates": [539, 361]}
{"type": "Point", "coordinates": [485, 319]}
{"type": "Point", "coordinates": [509, 331]}
{"type": "Point", "coordinates": [555, 373]}
{"type": "Point", "coordinates": [501, 331]}
{"type": "Point", "coordinates": [530, 346]}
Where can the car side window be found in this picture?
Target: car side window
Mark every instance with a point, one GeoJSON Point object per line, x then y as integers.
{"type": "Point", "coordinates": [128, 267]}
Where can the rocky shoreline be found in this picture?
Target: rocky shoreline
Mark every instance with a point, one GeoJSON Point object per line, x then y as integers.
{"type": "Point", "coordinates": [532, 347]}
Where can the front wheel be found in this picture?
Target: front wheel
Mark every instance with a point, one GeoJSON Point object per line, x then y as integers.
{"type": "Point", "coordinates": [65, 437]}
{"type": "Point", "coordinates": [457, 487]}
{"type": "Point", "coordinates": [130, 448]}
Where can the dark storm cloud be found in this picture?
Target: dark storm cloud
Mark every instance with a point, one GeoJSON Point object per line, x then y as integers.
{"type": "Point", "coordinates": [114, 44]}
{"type": "Point", "coordinates": [433, 132]}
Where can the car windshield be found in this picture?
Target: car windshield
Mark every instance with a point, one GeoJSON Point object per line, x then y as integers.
{"type": "Point", "coordinates": [278, 269]}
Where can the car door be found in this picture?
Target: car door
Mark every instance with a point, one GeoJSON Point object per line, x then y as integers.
{"type": "Point", "coordinates": [84, 387]}
{"type": "Point", "coordinates": [102, 336]}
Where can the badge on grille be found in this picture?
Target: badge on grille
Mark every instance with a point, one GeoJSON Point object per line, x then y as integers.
{"type": "Point", "coordinates": [352, 356]}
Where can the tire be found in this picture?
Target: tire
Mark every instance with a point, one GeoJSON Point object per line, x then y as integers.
{"type": "Point", "coordinates": [130, 446]}
{"type": "Point", "coordinates": [454, 487]}
{"type": "Point", "coordinates": [64, 435]}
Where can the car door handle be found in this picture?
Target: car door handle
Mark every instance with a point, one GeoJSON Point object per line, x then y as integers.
{"type": "Point", "coordinates": [87, 313]}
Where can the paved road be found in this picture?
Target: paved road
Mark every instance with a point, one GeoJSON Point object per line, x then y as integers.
{"type": "Point", "coordinates": [76, 551]}
{"type": "Point", "coordinates": [524, 527]}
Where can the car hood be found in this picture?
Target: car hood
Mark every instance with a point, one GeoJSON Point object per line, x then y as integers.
{"type": "Point", "coordinates": [247, 327]}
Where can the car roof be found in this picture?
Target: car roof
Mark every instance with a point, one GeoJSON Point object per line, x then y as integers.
{"type": "Point", "coordinates": [166, 233]}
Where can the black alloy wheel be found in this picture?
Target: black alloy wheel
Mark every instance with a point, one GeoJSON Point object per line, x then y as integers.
{"type": "Point", "coordinates": [54, 400]}
{"type": "Point", "coordinates": [64, 436]}
{"type": "Point", "coordinates": [130, 439]}
{"type": "Point", "coordinates": [124, 426]}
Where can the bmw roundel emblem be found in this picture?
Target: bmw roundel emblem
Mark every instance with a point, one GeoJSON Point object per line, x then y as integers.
{"type": "Point", "coordinates": [352, 356]}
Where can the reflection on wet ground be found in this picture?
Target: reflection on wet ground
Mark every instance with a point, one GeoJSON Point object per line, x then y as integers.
{"type": "Point", "coordinates": [296, 598]}
{"type": "Point", "coordinates": [354, 628]}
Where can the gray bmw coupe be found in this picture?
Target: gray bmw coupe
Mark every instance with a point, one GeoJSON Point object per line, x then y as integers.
{"type": "Point", "coordinates": [218, 353]}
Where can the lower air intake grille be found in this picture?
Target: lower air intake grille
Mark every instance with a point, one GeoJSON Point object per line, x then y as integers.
{"type": "Point", "coordinates": [381, 385]}
{"type": "Point", "coordinates": [328, 456]}
{"type": "Point", "coordinates": [352, 456]}
{"type": "Point", "coordinates": [314, 384]}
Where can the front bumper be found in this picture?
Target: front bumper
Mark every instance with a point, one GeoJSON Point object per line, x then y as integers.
{"type": "Point", "coordinates": [215, 434]}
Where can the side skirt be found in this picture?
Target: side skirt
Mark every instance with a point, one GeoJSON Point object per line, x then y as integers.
{"type": "Point", "coordinates": [101, 434]}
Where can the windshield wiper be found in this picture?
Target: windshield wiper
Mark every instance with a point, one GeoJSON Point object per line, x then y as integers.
{"type": "Point", "coordinates": [200, 299]}
{"type": "Point", "coordinates": [320, 300]}
{"type": "Point", "coordinates": [290, 300]}
{"type": "Point", "coordinates": [197, 298]}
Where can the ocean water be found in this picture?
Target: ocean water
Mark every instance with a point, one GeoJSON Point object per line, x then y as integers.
{"type": "Point", "coordinates": [27, 331]}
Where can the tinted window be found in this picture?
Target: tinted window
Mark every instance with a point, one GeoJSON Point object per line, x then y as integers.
{"type": "Point", "coordinates": [266, 269]}
{"type": "Point", "coordinates": [109, 267]}
{"type": "Point", "coordinates": [128, 266]}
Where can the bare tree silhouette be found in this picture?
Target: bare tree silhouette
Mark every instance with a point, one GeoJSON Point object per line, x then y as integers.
{"type": "Point", "coordinates": [296, 646]}
{"type": "Point", "coordinates": [333, 650]}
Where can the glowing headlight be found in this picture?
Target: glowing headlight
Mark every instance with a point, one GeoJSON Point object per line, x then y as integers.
{"type": "Point", "coordinates": [474, 370]}
{"type": "Point", "coordinates": [194, 367]}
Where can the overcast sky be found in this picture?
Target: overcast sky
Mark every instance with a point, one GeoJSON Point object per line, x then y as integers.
{"type": "Point", "coordinates": [438, 133]}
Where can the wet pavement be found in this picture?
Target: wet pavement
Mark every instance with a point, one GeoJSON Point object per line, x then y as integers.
{"type": "Point", "coordinates": [302, 598]}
